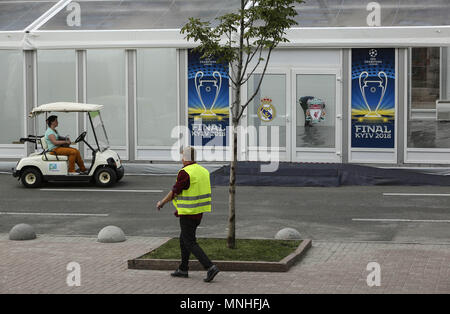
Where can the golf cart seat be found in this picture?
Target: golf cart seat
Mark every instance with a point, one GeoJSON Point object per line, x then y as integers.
{"type": "Point", "coordinates": [50, 156]}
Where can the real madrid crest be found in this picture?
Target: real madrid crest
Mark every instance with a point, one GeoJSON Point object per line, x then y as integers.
{"type": "Point", "coordinates": [266, 111]}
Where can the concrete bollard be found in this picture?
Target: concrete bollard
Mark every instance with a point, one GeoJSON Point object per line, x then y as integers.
{"type": "Point", "coordinates": [111, 234]}
{"type": "Point", "coordinates": [22, 232]}
{"type": "Point", "coordinates": [288, 234]}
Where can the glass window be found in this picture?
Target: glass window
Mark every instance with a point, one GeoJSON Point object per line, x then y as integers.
{"type": "Point", "coordinates": [57, 82]}
{"type": "Point", "coordinates": [18, 15]}
{"type": "Point", "coordinates": [106, 86]}
{"type": "Point", "coordinates": [446, 72]}
{"type": "Point", "coordinates": [343, 13]}
{"type": "Point", "coordinates": [99, 128]}
{"type": "Point", "coordinates": [316, 109]}
{"type": "Point", "coordinates": [424, 130]}
{"type": "Point", "coordinates": [156, 96]}
{"type": "Point", "coordinates": [137, 14]}
{"type": "Point", "coordinates": [268, 108]}
{"type": "Point", "coordinates": [11, 96]}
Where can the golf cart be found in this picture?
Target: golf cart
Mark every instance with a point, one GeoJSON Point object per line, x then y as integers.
{"type": "Point", "coordinates": [42, 166]}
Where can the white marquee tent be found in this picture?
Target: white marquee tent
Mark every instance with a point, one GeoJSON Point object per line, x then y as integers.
{"type": "Point", "coordinates": [129, 53]}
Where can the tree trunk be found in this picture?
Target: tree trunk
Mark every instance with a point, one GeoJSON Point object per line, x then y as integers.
{"type": "Point", "coordinates": [231, 239]}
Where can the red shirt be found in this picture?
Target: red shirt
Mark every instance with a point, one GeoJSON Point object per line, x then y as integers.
{"type": "Point", "coordinates": [183, 183]}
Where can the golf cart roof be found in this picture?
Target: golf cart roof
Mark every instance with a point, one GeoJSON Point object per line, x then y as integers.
{"type": "Point", "coordinates": [65, 107]}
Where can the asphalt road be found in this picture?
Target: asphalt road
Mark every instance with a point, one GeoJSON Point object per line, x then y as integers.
{"type": "Point", "coordinates": [351, 213]}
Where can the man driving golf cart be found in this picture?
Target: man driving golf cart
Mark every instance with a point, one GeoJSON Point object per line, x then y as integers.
{"type": "Point", "coordinates": [58, 145]}
{"type": "Point", "coordinates": [54, 162]}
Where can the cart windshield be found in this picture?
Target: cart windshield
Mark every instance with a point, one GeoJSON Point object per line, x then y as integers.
{"type": "Point", "coordinates": [99, 135]}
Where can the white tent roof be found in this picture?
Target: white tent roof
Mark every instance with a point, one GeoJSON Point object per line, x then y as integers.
{"type": "Point", "coordinates": [65, 107]}
{"type": "Point", "coordinates": [90, 24]}
{"type": "Point", "coordinates": [77, 15]}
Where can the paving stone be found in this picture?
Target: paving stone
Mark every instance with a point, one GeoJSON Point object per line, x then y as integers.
{"type": "Point", "coordinates": [40, 266]}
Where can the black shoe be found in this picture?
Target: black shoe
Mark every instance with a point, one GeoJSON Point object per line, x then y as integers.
{"type": "Point", "coordinates": [212, 272]}
{"type": "Point", "coordinates": [180, 273]}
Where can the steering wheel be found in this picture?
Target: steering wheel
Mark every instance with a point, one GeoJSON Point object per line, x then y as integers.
{"type": "Point", "coordinates": [81, 137]}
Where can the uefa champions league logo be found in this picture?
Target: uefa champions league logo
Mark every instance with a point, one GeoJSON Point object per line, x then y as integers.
{"type": "Point", "coordinates": [373, 92]}
{"type": "Point", "coordinates": [372, 89]}
{"type": "Point", "coordinates": [205, 87]}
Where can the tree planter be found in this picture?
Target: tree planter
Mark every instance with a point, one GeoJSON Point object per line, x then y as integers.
{"type": "Point", "coordinates": [251, 266]}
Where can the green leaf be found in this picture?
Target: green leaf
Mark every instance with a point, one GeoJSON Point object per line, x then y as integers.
{"type": "Point", "coordinates": [242, 35]}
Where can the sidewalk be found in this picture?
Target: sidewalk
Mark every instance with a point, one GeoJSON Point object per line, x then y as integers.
{"type": "Point", "coordinates": [39, 266]}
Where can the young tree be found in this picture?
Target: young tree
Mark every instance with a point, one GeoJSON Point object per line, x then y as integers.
{"type": "Point", "coordinates": [245, 40]}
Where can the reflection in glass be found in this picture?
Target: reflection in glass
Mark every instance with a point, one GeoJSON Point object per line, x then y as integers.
{"type": "Point", "coordinates": [424, 131]}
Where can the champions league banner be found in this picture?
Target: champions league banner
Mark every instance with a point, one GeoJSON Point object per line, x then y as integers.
{"type": "Point", "coordinates": [373, 98]}
{"type": "Point", "coordinates": [208, 101]}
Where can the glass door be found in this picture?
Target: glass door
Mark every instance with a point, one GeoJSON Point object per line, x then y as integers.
{"type": "Point", "coordinates": [317, 113]}
{"type": "Point", "coordinates": [268, 125]}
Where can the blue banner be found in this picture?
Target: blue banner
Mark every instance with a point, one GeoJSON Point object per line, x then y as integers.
{"type": "Point", "coordinates": [373, 98]}
{"type": "Point", "coordinates": [208, 101]}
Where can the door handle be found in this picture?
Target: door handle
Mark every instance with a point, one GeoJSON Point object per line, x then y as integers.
{"type": "Point", "coordinates": [339, 116]}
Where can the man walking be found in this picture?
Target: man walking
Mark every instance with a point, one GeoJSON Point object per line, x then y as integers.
{"type": "Point", "coordinates": [191, 196]}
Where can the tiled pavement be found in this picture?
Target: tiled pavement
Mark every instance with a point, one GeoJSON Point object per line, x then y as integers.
{"type": "Point", "coordinates": [39, 266]}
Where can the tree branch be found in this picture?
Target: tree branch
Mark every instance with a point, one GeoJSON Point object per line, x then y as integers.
{"type": "Point", "coordinates": [244, 80]}
{"type": "Point", "coordinates": [249, 60]}
{"type": "Point", "coordinates": [242, 109]}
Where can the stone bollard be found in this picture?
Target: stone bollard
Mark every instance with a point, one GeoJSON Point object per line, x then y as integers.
{"type": "Point", "coordinates": [288, 234]}
{"type": "Point", "coordinates": [111, 234]}
{"type": "Point", "coordinates": [22, 232]}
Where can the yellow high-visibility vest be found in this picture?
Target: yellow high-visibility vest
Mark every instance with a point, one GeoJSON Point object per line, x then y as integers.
{"type": "Point", "coordinates": [196, 199]}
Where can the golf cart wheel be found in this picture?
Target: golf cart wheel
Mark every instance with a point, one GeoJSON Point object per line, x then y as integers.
{"type": "Point", "coordinates": [120, 176]}
{"type": "Point", "coordinates": [31, 178]}
{"type": "Point", "coordinates": [105, 177]}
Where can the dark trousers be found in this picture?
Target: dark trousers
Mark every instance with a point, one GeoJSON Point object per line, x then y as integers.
{"type": "Point", "coordinates": [188, 244]}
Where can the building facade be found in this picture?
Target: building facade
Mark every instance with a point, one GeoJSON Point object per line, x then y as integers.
{"type": "Point", "coordinates": [374, 73]}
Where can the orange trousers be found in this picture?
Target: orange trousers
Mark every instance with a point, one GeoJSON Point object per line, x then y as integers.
{"type": "Point", "coordinates": [74, 157]}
